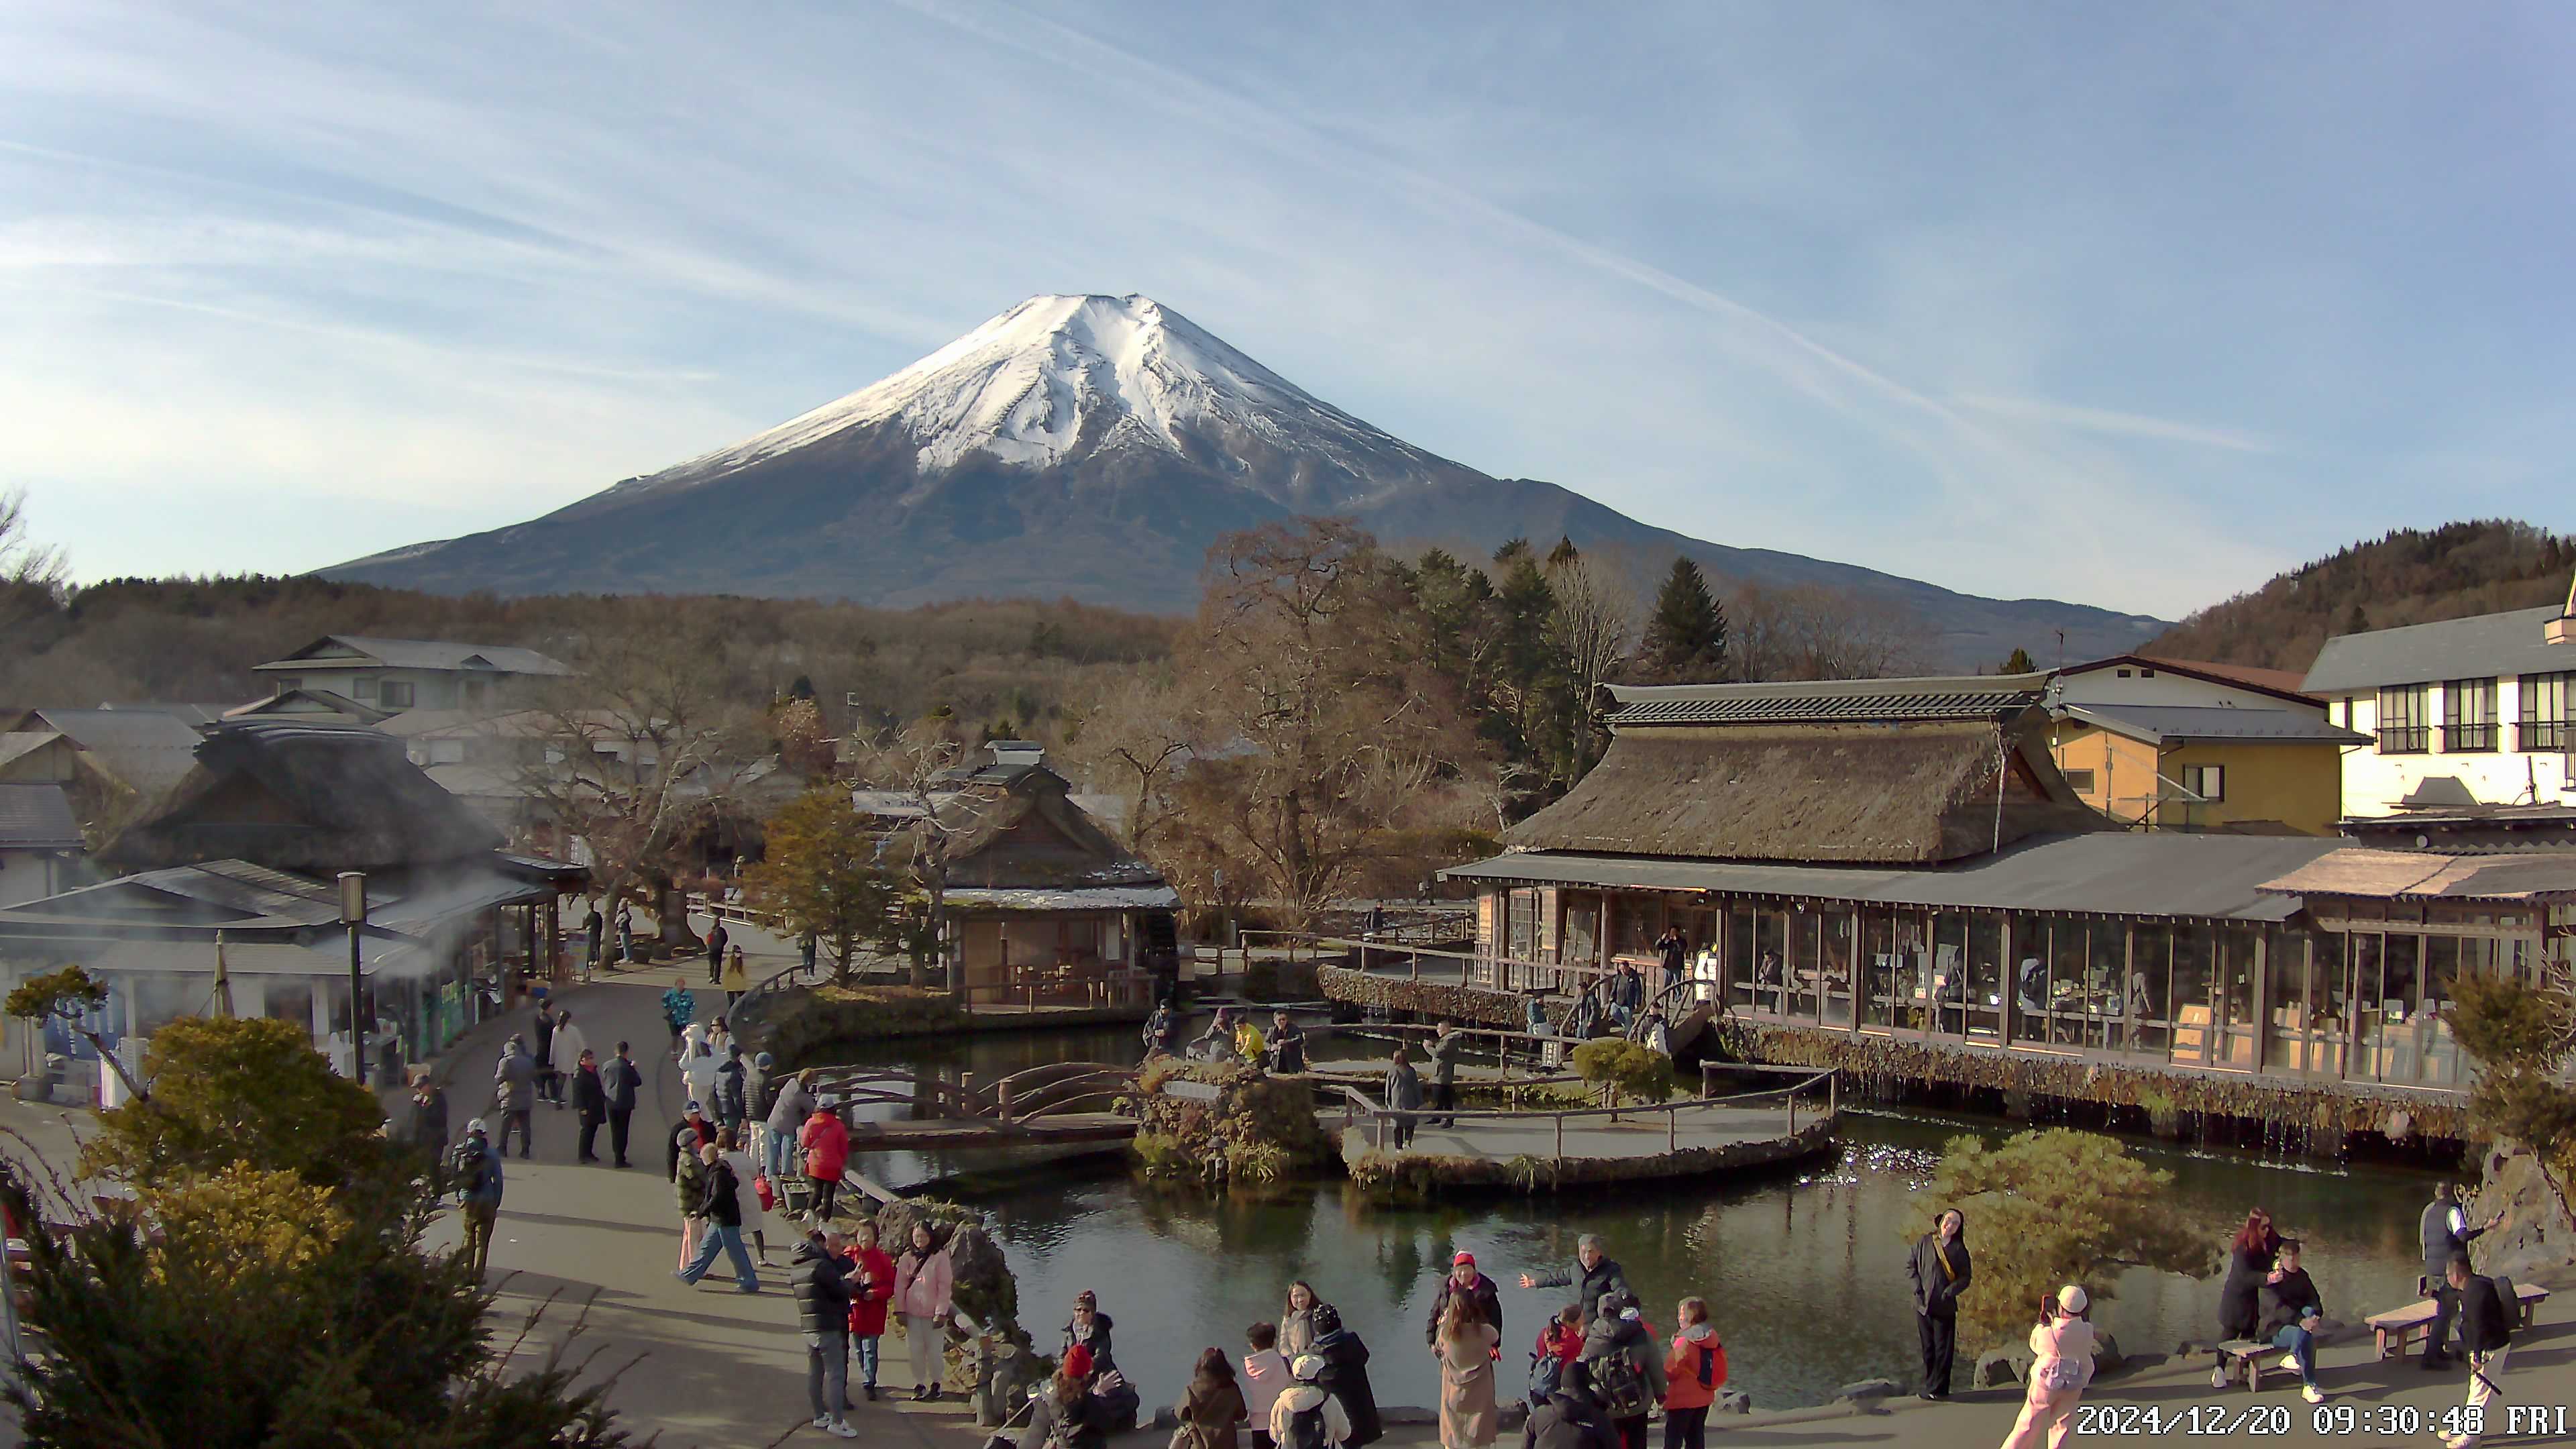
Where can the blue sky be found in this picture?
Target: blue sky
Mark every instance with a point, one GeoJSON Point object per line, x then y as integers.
{"type": "Point", "coordinates": [2126, 304]}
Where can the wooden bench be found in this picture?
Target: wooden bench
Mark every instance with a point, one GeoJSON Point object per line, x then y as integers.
{"type": "Point", "coordinates": [2399, 1327]}
{"type": "Point", "coordinates": [2247, 1355]}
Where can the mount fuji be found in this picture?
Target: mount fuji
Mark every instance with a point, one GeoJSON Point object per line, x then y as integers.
{"type": "Point", "coordinates": [1092, 448]}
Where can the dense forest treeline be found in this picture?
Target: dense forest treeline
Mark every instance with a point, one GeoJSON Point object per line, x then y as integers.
{"type": "Point", "coordinates": [1011, 665]}
{"type": "Point", "coordinates": [2408, 576]}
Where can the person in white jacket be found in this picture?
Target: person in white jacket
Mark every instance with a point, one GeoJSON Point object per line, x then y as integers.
{"type": "Point", "coordinates": [1265, 1375]}
{"type": "Point", "coordinates": [2061, 1365]}
{"type": "Point", "coordinates": [563, 1056]}
{"type": "Point", "coordinates": [1304, 1396]}
{"type": "Point", "coordinates": [921, 1296]}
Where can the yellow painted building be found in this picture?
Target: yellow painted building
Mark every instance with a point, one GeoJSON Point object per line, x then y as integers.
{"type": "Point", "coordinates": [2170, 767]}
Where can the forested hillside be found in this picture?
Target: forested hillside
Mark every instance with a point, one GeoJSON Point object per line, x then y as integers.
{"type": "Point", "coordinates": [2410, 576]}
{"type": "Point", "coordinates": [1009, 666]}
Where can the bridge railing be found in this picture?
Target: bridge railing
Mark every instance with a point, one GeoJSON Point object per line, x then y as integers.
{"type": "Point", "coordinates": [1493, 1041]}
{"type": "Point", "coordinates": [1040, 1091]}
{"type": "Point", "coordinates": [1384, 1117]}
{"type": "Point", "coordinates": [1111, 988]}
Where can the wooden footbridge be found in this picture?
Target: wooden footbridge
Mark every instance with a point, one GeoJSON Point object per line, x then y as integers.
{"type": "Point", "coordinates": [1059, 1104]}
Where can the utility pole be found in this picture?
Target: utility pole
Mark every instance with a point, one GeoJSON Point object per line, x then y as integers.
{"type": "Point", "coordinates": [353, 914]}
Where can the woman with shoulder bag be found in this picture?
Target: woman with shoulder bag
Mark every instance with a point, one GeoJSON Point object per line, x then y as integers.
{"type": "Point", "coordinates": [1212, 1406]}
{"type": "Point", "coordinates": [1694, 1371]}
{"type": "Point", "coordinates": [2061, 1365]}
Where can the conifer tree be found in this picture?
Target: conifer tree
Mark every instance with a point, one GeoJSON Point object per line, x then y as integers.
{"type": "Point", "coordinates": [2018, 662]}
{"type": "Point", "coordinates": [1686, 635]}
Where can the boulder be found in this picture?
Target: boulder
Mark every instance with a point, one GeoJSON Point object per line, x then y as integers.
{"type": "Point", "coordinates": [1997, 1367]}
{"type": "Point", "coordinates": [2107, 1358]}
{"type": "Point", "coordinates": [2537, 1233]}
{"type": "Point", "coordinates": [1867, 1392]}
{"type": "Point", "coordinates": [1514, 1414]}
{"type": "Point", "coordinates": [1734, 1401]}
{"type": "Point", "coordinates": [1165, 1420]}
{"type": "Point", "coordinates": [1408, 1414]}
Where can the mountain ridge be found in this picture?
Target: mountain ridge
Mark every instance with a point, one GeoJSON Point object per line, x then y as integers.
{"type": "Point", "coordinates": [1092, 447]}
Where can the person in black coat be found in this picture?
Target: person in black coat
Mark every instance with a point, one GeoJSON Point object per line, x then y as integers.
{"type": "Point", "coordinates": [1345, 1375]}
{"type": "Point", "coordinates": [1941, 1272]}
{"type": "Point", "coordinates": [428, 1126]}
{"type": "Point", "coordinates": [1570, 1418]}
{"type": "Point", "coordinates": [818, 1278]}
{"type": "Point", "coordinates": [549, 1081]}
{"type": "Point", "coordinates": [619, 1081]}
{"type": "Point", "coordinates": [2291, 1309]}
{"type": "Point", "coordinates": [2251, 1256]}
{"type": "Point", "coordinates": [1478, 1289]}
{"type": "Point", "coordinates": [590, 1104]}
{"type": "Point", "coordinates": [716, 939]}
{"type": "Point", "coordinates": [2486, 1332]}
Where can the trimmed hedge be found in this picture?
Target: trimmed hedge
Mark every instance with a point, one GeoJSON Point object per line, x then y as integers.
{"type": "Point", "coordinates": [1449, 1002]}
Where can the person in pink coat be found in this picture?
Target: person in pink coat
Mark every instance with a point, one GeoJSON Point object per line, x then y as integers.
{"type": "Point", "coordinates": [2061, 1365]}
{"type": "Point", "coordinates": [921, 1288]}
{"type": "Point", "coordinates": [827, 1155]}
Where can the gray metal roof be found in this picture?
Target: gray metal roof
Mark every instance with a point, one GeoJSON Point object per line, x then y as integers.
{"type": "Point", "coordinates": [2195, 877]}
{"type": "Point", "coordinates": [419, 654]}
{"type": "Point", "coordinates": [150, 750]}
{"type": "Point", "coordinates": [1855, 701]}
{"type": "Point", "coordinates": [2173, 723]}
{"type": "Point", "coordinates": [37, 817]}
{"type": "Point", "coordinates": [2487, 645]}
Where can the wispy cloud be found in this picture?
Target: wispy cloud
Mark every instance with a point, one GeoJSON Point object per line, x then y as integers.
{"type": "Point", "coordinates": [2118, 424]}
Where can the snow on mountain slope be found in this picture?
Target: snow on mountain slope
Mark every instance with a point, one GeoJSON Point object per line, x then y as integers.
{"type": "Point", "coordinates": [1057, 373]}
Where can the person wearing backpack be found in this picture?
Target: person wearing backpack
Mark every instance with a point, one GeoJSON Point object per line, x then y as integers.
{"type": "Point", "coordinates": [1694, 1371]}
{"type": "Point", "coordinates": [1627, 1372]}
{"type": "Point", "coordinates": [1307, 1416]}
{"type": "Point", "coordinates": [2061, 1365]}
{"type": "Point", "coordinates": [1558, 1345]}
{"type": "Point", "coordinates": [478, 1192]}
{"type": "Point", "coordinates": [1569, 1417]}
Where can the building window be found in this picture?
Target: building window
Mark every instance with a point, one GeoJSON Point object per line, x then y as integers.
{"type": "Point", "coordinates": [2209, 782]}
{"type": "Point", "coordinates": [2543, 722]}
{"type": "Point", "coordinates": [2080, 781]}
{"type": "Point", "coordinates": [2469, 716]}
{"type": "Point", "coordinates": [363, 687]}
{"type": "Point", "coordinates": [2146, 674]}
{"type": "Point", "coordinates": [2405, 724]}
{"type": "Point", "coordinates": [1523, 937]}
{"type": "Point", "coordinates": [397, 694]}
{"type": "Point", "coordinates": [2123, 674]}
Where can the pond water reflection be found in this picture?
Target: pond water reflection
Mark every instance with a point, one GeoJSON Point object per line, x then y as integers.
{"type": "Point", "coordinates": [1804, 1273]}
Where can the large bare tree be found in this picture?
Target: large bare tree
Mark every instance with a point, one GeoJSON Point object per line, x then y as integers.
{"type": "Point", "coordinates": [636, 754]}
{"type": "Point", "coordinates": [914, 765]}
{"type": "Point", "coordinates": [1316, 729]}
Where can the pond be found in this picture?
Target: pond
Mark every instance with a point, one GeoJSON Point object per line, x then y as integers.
{"type": "Point", "coordinates": [1804, 1272]}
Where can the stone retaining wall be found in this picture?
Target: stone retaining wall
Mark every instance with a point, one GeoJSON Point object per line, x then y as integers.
{"type": "Point", "coordinates": [1412, 1176]}
{"type": "Point", "coordinates": [1447, 1001]}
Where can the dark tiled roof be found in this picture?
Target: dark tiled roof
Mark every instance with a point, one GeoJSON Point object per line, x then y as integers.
{"type": "Point", "coordinates": [37, 817]}
{"type": "Point", "coordinates": [1832, 701]}
{"type": "Point", "coordinates": [2487, 645]}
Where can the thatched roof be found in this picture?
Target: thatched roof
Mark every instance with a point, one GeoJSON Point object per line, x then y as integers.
{"type": "Point", "coordinates": [1022, 832]}
{"type": "Point", "coordinates": [309, 797]}
{"type": "Point", "coordinates": [1912, 793]}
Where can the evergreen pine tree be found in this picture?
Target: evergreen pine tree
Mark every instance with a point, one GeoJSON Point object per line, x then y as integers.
{"type": "Point", "coordinates": [2356, 622]}
{"type": "Point", "coordinates": [1686, 635]}
{"type": "Point", "coordinates": [2018, 662]}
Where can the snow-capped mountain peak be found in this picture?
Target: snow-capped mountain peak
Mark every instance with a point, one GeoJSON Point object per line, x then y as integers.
{"type": "Point", "coordinates": [1058, 372]}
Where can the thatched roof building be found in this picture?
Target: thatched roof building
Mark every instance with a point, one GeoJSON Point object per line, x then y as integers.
{"type": "Point", "coordinates": [309, 797]}
{"type": "Point", "coordinates": [1878, 772]}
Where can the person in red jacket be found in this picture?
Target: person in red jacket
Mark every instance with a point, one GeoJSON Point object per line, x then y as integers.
{"type": "Point", "coordinates": [827, 1154]}
{"type": "Point", "coordinates": [871, 1285]}
{"type": "Point", "coordinates": [1695, 1369]}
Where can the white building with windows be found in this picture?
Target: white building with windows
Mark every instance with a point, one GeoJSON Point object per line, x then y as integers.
{"type": "Point", "coordinates": [2466, 714]}
{"type": "Point", "coordinates": [393, 675]}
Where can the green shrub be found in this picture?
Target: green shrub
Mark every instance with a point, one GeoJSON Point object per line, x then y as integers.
{"type": "Point", "coordinates": [1627, 1069]}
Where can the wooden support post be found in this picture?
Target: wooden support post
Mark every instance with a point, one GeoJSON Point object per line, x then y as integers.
{"type": "Point", "coordinates": [1560, 1139]}
{"type": "Point", "coordinates": [1833, 1094]}
{"type": "Point", "coordinates": [1672, 1129]}
{"type": "Point", "coordinates": [1793, 1111]}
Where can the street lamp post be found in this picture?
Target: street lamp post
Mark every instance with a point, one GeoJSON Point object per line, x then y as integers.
{"type": "Point", "coordinates": [353, 914]}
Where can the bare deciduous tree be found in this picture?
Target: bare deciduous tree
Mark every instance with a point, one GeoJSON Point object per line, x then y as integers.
{"type": "Point", "coordinates": [912, 763]}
